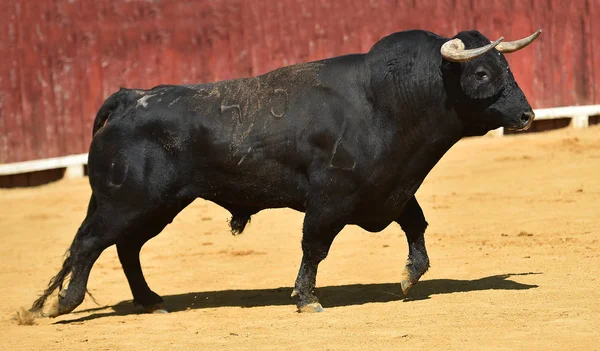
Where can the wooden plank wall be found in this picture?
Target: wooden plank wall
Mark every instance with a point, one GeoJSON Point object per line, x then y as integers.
{"type": "Point", "coordinates": [62, 58]}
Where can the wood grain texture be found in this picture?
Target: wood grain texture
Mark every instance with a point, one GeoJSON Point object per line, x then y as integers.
{"type": "Point", "coordinates": [62, 58]}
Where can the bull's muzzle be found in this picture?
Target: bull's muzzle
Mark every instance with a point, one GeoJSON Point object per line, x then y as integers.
{"type": "Point", "coordinates": [525, 121]}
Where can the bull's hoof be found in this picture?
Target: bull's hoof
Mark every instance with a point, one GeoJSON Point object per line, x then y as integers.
{"type": "Point", "coordinates": [311, 308]}
{"type": "Point", "coordinates": [157, 308]}
{"type": "Point", "coordinates": [54, 310]}
{"type": "Point", "coordinates": [413, 271]}
{"type": "Point", "coordinates": [406, 285]}
{"type": "Point", "coordinates": [409, 278]}
{"type": "Point", "coordinates": [61, 305]}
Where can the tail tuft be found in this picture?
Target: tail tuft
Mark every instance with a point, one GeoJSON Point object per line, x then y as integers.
{"type": "Point", "coordinates": [55, 283]}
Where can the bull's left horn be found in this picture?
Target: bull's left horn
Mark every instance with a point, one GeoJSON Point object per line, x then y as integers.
{"type": "Point", "coordinates": [512, 46]}
{"type": "Point", "coordinates": [454, 50]}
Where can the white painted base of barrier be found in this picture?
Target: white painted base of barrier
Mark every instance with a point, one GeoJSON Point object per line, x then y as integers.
{"type": "Point", "coordinates": [76, 171]}
{"type": "Point", "coordinates": [74, 163]}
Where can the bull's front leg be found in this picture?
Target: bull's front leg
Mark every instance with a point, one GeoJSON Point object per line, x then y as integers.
{"type": "Point", "coordinates": [414, 224]}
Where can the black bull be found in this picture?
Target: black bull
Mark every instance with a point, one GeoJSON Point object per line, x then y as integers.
{"type": "Point", "coordinates": [347, 140]}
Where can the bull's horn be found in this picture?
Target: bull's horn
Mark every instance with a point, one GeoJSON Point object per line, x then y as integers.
{"type": "Point", "coordinates": [512, 46]}
{"type": "Point", "coordinates": [454, 50]}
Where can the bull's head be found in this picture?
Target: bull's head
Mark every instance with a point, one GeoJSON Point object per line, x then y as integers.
{"type": "Point", "coordinates": [480, 84]}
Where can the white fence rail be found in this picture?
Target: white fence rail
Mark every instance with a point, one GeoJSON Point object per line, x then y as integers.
{"type": "Point", "coordinates": [74, 163]}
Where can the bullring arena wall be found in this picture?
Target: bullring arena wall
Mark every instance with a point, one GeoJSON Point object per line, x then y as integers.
{"type": "Point", "coordinates": [62, 58]}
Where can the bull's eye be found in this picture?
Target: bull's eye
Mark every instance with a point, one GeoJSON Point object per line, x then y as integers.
{"type": "Point", "coordinates": [481, 74]}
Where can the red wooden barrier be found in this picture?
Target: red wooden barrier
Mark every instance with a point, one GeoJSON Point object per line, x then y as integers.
{"type": "Point", "coordinates": [62, 58]}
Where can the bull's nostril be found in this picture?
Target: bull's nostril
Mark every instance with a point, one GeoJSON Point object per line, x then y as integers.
{"type": "Point", "coordinates": [525, 117]}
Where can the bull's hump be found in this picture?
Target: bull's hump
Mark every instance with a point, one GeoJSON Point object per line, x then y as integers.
{"type": "Point", "coordinates": [289, 76]}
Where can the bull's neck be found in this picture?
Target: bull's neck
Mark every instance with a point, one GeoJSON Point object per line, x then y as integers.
{"type": "Point", "coordinates": [420, 142]}
{"type": "Point", "coordinates": [410, 102]}
{"type": "Point", "coordinates": [416, 109]}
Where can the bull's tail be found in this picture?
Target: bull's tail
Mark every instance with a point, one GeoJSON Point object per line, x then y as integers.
{"type": "Point", "coordinates": [55, 283]}
{"type": "Point", "coordinates": [115, 104]}
{"type": "Point", "coordinates": [67, 268]}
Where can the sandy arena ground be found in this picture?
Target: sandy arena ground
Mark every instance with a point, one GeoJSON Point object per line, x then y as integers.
{"type": "Point", "coordinates": [514, 242]}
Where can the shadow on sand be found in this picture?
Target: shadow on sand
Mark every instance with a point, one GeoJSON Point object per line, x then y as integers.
{"type": "Point", "coordinates": [329, 296]}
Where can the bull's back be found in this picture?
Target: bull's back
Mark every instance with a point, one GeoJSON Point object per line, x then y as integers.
{"type": "Point", "coordinates": [234, 141]}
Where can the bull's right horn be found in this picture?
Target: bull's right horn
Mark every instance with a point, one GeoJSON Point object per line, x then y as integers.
{"type": "Point", "coordinates": [454, 50]}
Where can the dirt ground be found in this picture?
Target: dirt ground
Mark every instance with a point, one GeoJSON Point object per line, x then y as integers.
{"type": "Point", "coordinates": [514, 242]}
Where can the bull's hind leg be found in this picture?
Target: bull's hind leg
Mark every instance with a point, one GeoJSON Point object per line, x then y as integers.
{"type": "Point", "coordinates": [318, 234]}
{"type": "Point", "coordinates": [98, 231]}
{"type": "Point", "coordinates": [129, 247]}
{"type": "Point", "coordinates": [129, 254]}
{"type": "Point", "coordinates": [414, 224]}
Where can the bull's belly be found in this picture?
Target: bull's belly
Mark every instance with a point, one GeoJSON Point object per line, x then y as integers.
{"type": "Point", "coordinates": [257, 187]}
{"type": "Point", "coordinates": [376, 213]}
